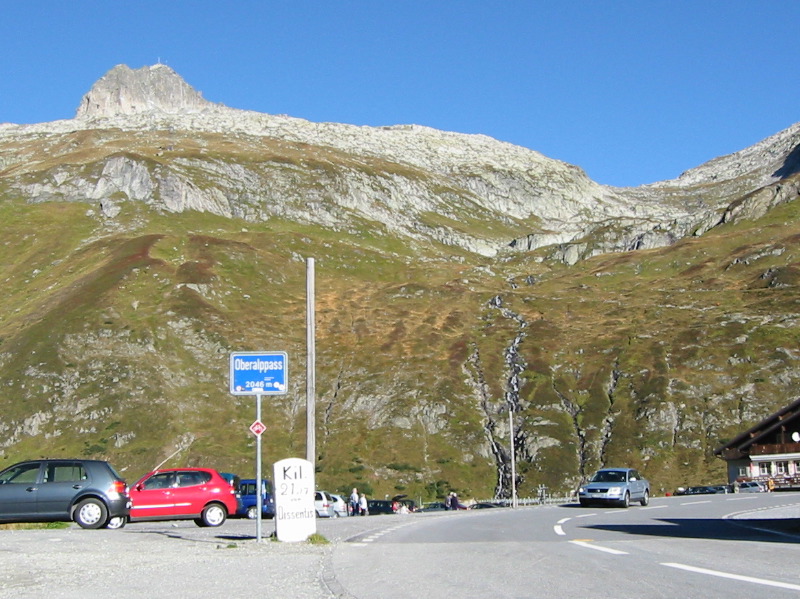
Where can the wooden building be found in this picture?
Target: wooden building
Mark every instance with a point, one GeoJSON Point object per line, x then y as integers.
{"type": "Point", "coordinates": [769, 452]}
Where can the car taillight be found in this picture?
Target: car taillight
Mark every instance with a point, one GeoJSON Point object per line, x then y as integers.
{"type": "Point", "coordinates": [119, 486]}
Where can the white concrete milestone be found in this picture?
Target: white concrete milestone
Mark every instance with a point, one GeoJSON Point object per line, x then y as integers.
{"type": "Point", "coordinates": [295, 515]}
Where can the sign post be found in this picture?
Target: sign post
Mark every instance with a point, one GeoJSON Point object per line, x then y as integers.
{"type": "Point", "coordinates": [258, 373]}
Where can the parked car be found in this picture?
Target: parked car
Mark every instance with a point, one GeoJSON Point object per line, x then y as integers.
{"type": "Point", "coordinates": [339, 505]}
{"type": "Point", "coordinates": [433, 506]}
{"type": "Point", "coordinates": [615, 485]}
{"type": "Point", "coordinates": [233, 481]}
{"type": "Point", "coordinates": [398, 501]}
{"type": "Point", "coordinates": [324, 505]}
{"type": "Point", "coordinates": [379, 506]}
{"type": "Point", "coordinates": [700, 490]}
{"type": "Point", "coordinates": [249, 497]}
{"type": "Point", "coordinates": [89, 492]}
{"type": "Point", "coordinates": [484, 505]}
{"type": "Point", "coordinates": [198, 494]}
{"type": "Point", "coordinates": [752, 486]}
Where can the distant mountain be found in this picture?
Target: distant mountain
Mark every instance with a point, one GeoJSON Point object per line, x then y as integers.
{"type": "Point", "coordinates": [487, 196]}
{"type": "Point", "coordinates": [459, 276]}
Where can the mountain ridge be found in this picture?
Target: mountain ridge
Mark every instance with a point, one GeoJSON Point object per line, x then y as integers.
{"type": "Point", "coordinates": [558, 201]}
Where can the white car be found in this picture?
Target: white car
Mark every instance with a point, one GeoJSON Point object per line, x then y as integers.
{"type": "Point", "coordinates": [339, 505]}
{"type": "Point", "coordinates": [324, 505]}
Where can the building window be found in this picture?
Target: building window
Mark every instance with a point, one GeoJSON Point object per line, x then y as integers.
{"type": "Point", "coordinates": [744, 471]}
{"type": "Point", "coordinates": [782, 467]}
{"type": "Point", "coordinates": [796, 467]}
{"type": "Point", "coordinates": [764, 468]}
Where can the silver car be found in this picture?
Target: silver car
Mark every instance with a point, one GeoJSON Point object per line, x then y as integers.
{"type": "Point", "coordinates": [339, 505]}
{"type": "Point", "coordinates": [752, 486]}
{"type": "Point", "coordinates": [619, 486]}
{"type": "Point", "coordinates": [324, 505]}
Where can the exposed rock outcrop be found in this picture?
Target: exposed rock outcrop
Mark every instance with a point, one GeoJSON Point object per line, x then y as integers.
{"type": "Point", "coordinates": [151, 88]}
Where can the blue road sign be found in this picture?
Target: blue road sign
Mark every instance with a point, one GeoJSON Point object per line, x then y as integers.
{"type": "Point", "coordinates": [254, 373]}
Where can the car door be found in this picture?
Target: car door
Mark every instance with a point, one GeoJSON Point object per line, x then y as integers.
{"type": "Point", "coordinates": [636, 484]}
{"type": "Point", "coordinates": [152, 497]}
{"type": "Point", "coordinates": [19, 491]}
{"type": "Point", "coordinates": [61, 482]}
{"type": "Point", "coordinates": [190, 492]}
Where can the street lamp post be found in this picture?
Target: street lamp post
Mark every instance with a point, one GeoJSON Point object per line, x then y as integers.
{"type": "Point", "coordinates": [513, 458]}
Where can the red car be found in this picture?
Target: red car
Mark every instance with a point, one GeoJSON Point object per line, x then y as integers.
{"type": "Point", "coordinates": [198, 494]}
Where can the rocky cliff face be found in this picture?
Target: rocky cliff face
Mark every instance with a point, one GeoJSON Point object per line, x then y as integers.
{"type": "Point", "coordinates": [468, 191]}
{"type": "Point", "coordinates": [124, 91]}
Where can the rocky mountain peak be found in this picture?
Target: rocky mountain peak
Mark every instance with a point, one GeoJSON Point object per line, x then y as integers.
{"type": "Point", "coordinates": [126, 91]}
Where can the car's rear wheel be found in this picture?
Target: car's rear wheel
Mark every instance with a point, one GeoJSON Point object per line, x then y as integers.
{"type": "Point", "coordinates": [91, 513]}
{"type": "Point", "coordinates": [626, 501]}
{"type": "Point", "coordinates": [116, 522]}
{"type": "Point", "coordinates": [645, 498]}
{"type": "Point", "coordinates": [252, 512]}
{"type": "Point", "coordinates": [213, 514]}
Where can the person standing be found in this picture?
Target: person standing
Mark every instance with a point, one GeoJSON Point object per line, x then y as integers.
{"type": "Point", "coordinates": [362, 505]}
{"type": "Point", "coordinates": [354, 502]}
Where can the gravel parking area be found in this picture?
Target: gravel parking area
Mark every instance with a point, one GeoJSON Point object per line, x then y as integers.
{"type": "Point", "coordinates": [173, 559]}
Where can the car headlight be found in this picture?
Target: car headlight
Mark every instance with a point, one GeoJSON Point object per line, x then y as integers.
{"type": "Point", "coordinates": [581, 489]}
{"type": "Point", "coordinates": [615, 491]}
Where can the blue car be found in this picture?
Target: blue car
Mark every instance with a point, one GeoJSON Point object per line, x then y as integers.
{"type": "Point", "coordinates": [618, 486]}
{"type": "Point", "coordinates": [248, 492]}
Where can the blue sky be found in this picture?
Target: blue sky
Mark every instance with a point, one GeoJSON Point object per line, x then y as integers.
{"type": "Point", "coordinates": [631, 91]}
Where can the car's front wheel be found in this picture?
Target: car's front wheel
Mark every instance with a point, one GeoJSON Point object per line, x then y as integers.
{"type": "Point", "coordinates": [91, 513]}
{"type": "Point", "coordinates": [213, 514]}
{"type": "Point", "coordinates": [645, 498]}
{"type": "Point", "coordinates": [626, 501]}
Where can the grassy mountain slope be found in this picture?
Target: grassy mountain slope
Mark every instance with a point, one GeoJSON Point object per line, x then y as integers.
{"type": "Point", "coordinates": [114, 343]}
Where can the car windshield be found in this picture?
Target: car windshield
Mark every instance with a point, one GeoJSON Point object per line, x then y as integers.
{"type": "Point", "coordinates": [609, 476]}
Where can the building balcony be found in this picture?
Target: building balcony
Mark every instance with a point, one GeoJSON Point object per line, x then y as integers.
{"type": "Point", "coordinates": [775, 449]}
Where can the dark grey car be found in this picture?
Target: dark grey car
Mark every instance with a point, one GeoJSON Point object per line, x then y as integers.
{"type": "Point", "coordinates": [89, 492]}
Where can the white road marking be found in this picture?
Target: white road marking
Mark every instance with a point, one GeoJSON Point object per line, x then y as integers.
{"type": "Point", "coordinates": [557, 527]}
{"type": "Point", "coordinates": [763, 581]}
{"type": "Point", "coordinates": [696, 502]}
{"type": "Point", "coordinates": [654, 507]}
{"type": "Point", "coordinates": [599, 548]}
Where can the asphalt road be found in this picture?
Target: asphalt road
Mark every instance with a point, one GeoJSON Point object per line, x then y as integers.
{"type": "Point", "coordinates": [703, 546]}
